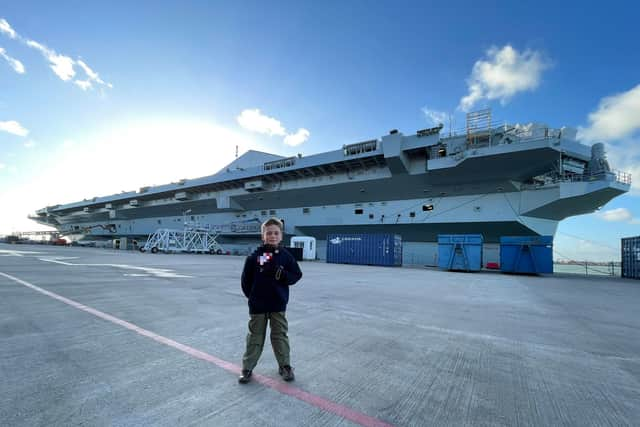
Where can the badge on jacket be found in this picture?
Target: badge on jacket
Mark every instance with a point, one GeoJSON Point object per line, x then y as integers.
{"type": "Point", "coordinates": [265, 258]}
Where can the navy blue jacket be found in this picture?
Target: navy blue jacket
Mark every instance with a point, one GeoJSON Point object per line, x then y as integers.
{"type": "Point", "coordinates": [266, 277]}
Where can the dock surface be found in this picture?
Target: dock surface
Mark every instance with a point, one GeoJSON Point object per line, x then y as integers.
{"type": "Point", "coordinates": [99, 337]}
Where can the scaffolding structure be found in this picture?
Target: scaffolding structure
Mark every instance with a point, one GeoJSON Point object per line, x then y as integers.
{"type": "Point", "coordinates": [193, 240]}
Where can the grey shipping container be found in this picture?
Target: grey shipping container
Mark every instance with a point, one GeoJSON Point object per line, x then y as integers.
{"type": "Point", "coordinates": [631, 257]}
{"type": "Point", "coordinates": [365, 249]}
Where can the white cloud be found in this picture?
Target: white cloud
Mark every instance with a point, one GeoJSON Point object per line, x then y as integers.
{"type": "Point", "coordinates": [13, 127]}
{"type": "Point", "coordinates": [17, 66]}
{"type": "Point", "coordinates": [61, 65]}
{"type": "Point", "coordinates": [6, 29]}
{"type": "Point", "coordinates": [83, 84]}
{"type": "Point", "coordinates": [297, 138]}
{"type": "Point", "coordinates": [92, 76]}
{"type": "Point", "coordinates": [90, 73]}
{"type": "Point", "coordinates": [502, 74]}
{"type": "Point", "coordinates": [435, 117]}
{"type": "Point", "coordinates": [616, 215]}
{"type": "Point", "coordinates": [617, 122]}
{"type": "Point", "coordinates": [255, 121]}
{"type": "Point", "coordinates": [617, 116]}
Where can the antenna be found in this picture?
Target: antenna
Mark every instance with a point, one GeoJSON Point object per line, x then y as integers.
{"type": "Point", "coordinates": [236, 151]}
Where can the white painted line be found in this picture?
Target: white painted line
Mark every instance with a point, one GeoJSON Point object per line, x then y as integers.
{"type": "Point", "coordinates": [157, 272]}
{"type": "Point", "coordinates": [11, 252]}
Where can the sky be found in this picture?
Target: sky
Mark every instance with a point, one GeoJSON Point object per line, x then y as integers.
{"type": "Point", "coordinates": [98, 98]}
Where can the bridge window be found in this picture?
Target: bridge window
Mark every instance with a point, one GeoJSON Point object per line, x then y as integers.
{"type": "Point", "coordinates": [279, 164]}
{"type": "Point", "coordinates": [360, 147]}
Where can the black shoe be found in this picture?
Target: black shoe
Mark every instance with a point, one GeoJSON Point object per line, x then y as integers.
{"type": "Point", "coordinates": [245, 377]}
{"type": "Point", "coordinates": [286, 372]}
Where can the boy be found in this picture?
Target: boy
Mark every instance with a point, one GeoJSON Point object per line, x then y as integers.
{"type": "Point", "coordinates": [266, 277]}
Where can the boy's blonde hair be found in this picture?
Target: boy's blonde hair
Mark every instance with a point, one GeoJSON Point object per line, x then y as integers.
{"type": "Point", "coordinates": [271, 221]}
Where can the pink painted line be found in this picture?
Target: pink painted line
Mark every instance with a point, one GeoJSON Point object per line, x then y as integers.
{"type": "Point", "coordinates": [317, 401]}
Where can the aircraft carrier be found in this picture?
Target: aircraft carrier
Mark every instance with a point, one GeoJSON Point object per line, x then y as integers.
{"type": "Point", "coordinates": [487, 179]}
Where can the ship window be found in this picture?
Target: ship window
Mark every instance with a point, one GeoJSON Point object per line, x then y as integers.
{"type": "Point", "coordinates": [306, 210]}
{"type": "Point", "coordinates": [272, 212]}
{"type": "Point", "coordinates": [193, 218]}
{"type": "Point", "coordinates": [278, 164]}
{"type": "Point", "coordinates": [360, 147]}
{"type": "Point", "coordinates": [370, 216]}
{"type": "Point", "coordinates": [263, 213]}
{"type": "Point", "coordinates": [427, 207]}
{"type": "Point", "coordinates": [359, 211]}
{"type": "Point", "coordinates": [159, 221]}
{"type": "Point", "coordinates": [412, 214]}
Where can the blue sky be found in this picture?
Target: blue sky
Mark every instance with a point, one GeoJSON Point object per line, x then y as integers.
{"type": "Point", "coordinates": [96, 98]}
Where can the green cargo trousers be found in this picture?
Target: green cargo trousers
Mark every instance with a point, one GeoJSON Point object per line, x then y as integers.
{"type": "Point", "coordinates": [256, 336]}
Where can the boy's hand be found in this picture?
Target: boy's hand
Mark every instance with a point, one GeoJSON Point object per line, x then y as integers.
{"type": "Point", "coordinates": [269, 269]}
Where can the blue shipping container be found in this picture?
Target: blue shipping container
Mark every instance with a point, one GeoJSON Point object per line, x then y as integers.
{"type": "Point", "coordinates": [366, 249]}
{"type": "Point", "coordinates": [460, 252]}
{"type": "Point", "coordinates": [526, 254]}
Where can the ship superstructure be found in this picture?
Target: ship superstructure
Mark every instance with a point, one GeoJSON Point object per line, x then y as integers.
{"type": "Point", "coordinates": [489, 180]}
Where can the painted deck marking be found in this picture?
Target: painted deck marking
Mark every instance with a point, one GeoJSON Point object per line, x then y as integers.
{"type": "Point", "coordinates": [317, 401]}
{"type": "Point", "coordinates": [157, 272]}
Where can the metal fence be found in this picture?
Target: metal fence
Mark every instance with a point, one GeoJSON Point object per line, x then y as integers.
{"type": "Point", "coordinates": [612, 268]}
